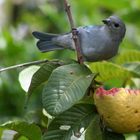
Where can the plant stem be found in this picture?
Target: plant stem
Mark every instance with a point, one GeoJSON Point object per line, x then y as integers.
{"type": "Point", "coordinates": [74, 32]}
{"type": "Point", "coordinates": [23, 65]}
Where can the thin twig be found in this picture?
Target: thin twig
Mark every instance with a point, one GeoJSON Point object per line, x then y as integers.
{"type": "Point", "coordinates": [23, 65]}
{"type": "Point", "coordinates": [74, 32]}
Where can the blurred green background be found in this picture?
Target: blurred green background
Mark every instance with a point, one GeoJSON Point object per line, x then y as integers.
{"type": "Point", "coordinates": [18, 18]}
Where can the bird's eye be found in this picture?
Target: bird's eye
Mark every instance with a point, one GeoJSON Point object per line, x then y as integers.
{"type": "Point", "coordinates": [116, 25]}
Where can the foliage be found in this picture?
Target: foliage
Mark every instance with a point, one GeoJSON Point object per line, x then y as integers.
{"type": "Point", "coordinates": [70, 122]}
{"type": "Point", "coordinates": [32, 131]}
{"type": "Point", "coordinates": [61, 106]}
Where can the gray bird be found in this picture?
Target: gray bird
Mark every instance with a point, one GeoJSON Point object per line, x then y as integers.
{"type": "Point", "coordinates": [99, 42]}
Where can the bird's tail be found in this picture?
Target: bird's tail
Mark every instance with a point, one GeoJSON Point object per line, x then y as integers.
{"type": "Point", "coordinates": [45, 42]}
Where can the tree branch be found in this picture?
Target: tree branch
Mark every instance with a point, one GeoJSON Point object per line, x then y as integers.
{"type": "Point", "coordinates": [74, 32]}
{"type": "Point", "coordinates": [23, 65]}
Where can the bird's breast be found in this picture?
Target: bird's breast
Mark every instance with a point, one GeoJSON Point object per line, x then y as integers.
{"type": "Point", "coordinates": [98, 48]}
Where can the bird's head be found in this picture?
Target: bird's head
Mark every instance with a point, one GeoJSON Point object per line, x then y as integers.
{"type": "Point", "coordinates": [115, 26]}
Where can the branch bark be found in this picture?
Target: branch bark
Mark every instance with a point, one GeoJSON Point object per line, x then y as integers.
{"type": "Point", "coordinates": [29, 64]}
{"type": "Point", "coordinates": [75, 32]}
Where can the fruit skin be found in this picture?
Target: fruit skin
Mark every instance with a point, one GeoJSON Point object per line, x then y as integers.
{"type": "Point", "coordinates": [119, 108]}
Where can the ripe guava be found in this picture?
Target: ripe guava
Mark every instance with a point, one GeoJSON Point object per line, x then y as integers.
{"type": "Point", "coordinates": [119, 108]}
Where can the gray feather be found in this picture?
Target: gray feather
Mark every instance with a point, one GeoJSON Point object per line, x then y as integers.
{"type": "Point", "coordinates": [45, 42]}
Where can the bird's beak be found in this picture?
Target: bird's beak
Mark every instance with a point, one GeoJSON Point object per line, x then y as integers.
{"type": "Point", "coordinates": [106, 21]}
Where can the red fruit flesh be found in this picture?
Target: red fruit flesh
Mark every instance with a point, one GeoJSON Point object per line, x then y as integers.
{"type": "Point", "coordinates": [102, 91]}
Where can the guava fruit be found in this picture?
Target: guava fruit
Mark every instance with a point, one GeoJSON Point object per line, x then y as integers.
{"type": "Point", "coordinates": [119, 108]}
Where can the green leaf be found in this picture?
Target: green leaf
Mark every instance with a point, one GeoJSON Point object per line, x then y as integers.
{"type": "Point", "coordinates": [128, 56]}
{"type": "Point", "coordinates": [41, 75]}
{"type": "Point", "coordinates": [87, 100]}
{"type": "Point", "coordinates": [31, 131]}
{"type": "Point", "coordinates": [25, 77]}
{"type": "Point", "coordinates": [94, 132]}
{"type": "Point", "coordinates": [134, 67]}
{"type": "Point", "coordinates": [107, 135]}
{"type": "Point", "coordinates": [71, 123]}
{"type": "Point", "coordinates": [108, 71]}
{"type": "Point", "coordinates": [132, 136]}
{"type": "Point", "coordinates": [66, 85]}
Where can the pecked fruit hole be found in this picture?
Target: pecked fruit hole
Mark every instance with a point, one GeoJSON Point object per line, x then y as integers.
{"type": "Point", "coordinates": [120, 108]}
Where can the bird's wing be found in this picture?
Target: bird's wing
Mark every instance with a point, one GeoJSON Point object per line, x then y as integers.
{"type": "Point", "coordinates": [90, 27]}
